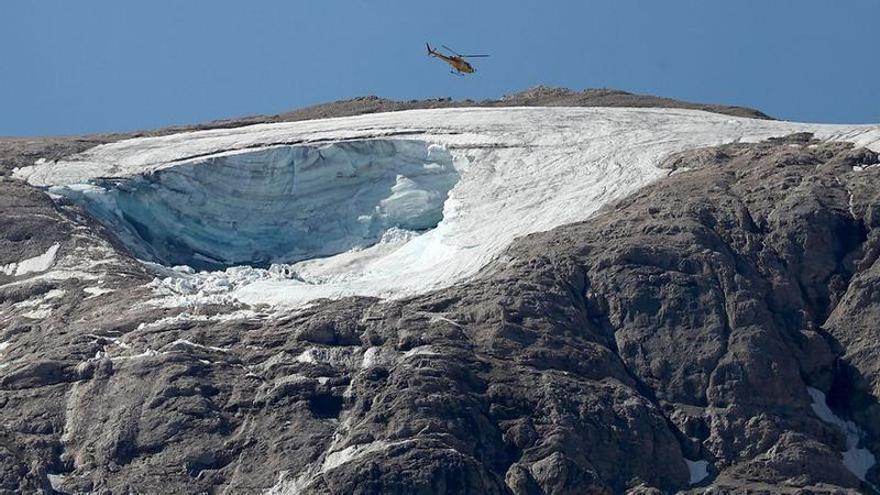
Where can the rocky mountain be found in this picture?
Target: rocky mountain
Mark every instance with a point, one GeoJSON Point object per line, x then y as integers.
{"type": "Point", "coordinates": [609, 300]}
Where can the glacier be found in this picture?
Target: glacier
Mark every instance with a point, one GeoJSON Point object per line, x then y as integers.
{"type": "Point", "coordinates": [386, 205]}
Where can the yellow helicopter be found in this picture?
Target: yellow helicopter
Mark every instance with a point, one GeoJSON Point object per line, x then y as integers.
{"type": "Point", "coordinates": [456, 60]}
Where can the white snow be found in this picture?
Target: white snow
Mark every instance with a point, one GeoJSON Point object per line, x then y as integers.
{"type": "Point", "coordinates": [41, 306]}
{"type": "Point", "coordinates": [422, 350]}
{"type": "Point", "coordinates": [146, 353]}
{"type": "Point", "coordinates": [241, 314]}
{"type": "Point", "coordinates": [63, 274]}
{"type": "Point", "coordinates": [348, 454]}
{"type": "Point", "coordinates": [54, 294]}
{"type": "Point", "coordinates": [306, 356]}
{"type": "Point", "coordinates": [55, 481]}
{"type": "Point", "coordinates": [115, 340]}
{"type": "Point", "coordinates": [39, 263]}
{"type": "Point", "coordinates": [96, 291]}
{"type": "Point", "coordinates": [83, 263]}
{"type": "Point", "coordinates": [345, 357]}
{"type": "Point", "coordinates": [379, 356]}
{"type": "Point", "coordinates": [513, 171]}
{"type": "Point", "coordinates": [332, 460]}
{"type": "Point", "coordinates": [196, 345]}
{"type": "Point", "coordinates": [857, 460]}
{"type": "Point", "coordinates": [41, 300]}
{"type": "Point", "coordinates": [699, 470]}
{"type": "Point", "coordinates": [38, 314]}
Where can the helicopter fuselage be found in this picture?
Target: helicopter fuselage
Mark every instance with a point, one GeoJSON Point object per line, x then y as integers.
{"type": "Point", "coordinates": [457, 63]}
{"type": "Point", "coordinates": [460, 65]}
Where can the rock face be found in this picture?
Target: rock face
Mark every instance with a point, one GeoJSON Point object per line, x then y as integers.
{"type": "Point", "coordinates": [674, 332]}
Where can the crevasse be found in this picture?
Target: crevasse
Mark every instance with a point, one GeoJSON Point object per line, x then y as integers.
{"type": "Point", "coordinates": [279, 204]}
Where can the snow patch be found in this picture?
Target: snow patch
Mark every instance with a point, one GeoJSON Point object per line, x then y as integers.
{"type": "Point", "coordinates": [39, 263]}
{"type": "Point", "coordinates": [241, 314]}
{"type": "Point", "coordinates": [699, 470]}
{"type": "Point", "coordinates": [332, 356]}
{"type": "Point", "coordinates": [53, 294]}
{"type": "Point", "coordinates": [114, 340]}
{"type": "Point", "coordinates": [145, 354]}
{"type": "Point", "coordinates": [379, 356]}
{"type": "Point", "coordinates": [56, 481]}
{"type": "Point", "coordinates": [38, 314]}
{"type": "Point", "coordinates": [348, 454]}
{"type": "Point", "coordinates": [96, 291]}
{"type": "Point", "coordinates": [857, 460]}
{"type": "Point", "coordinates": [348, 357]}
{"type": "Point", "coordinates": [422, 350]}
{"type": "Point", "coordinates": [56, 275]}
{"type": "Point", "coordinates": [307, 356]}
{"type": "Point", "coordinates": [332, 460]}
{"type": "Point", "coordinates": [39, 301]}
{"type": "Point", "coordinates": [190, 343]}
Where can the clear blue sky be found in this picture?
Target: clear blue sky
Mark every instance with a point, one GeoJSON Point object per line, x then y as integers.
{"type": "Point", "coordinates": [73, 67]}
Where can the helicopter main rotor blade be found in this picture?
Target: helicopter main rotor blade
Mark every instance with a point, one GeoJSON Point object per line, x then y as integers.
{"type": "Point", "coordinates": [451, 50]}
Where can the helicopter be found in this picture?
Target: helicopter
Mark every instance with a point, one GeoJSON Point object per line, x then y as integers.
{"type": "Point", "coordinates": [456, 60]}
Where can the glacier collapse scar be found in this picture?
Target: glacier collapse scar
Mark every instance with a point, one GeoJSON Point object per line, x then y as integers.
{"type": "Point", "coordinates": [276, 204]}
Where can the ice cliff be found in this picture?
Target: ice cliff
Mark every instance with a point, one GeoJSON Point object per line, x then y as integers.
{"type": "Point", "coordinates": [278, 204]}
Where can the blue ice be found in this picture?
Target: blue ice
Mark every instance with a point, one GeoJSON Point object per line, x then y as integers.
{"type": "Point", "coordinates": [279, 204]}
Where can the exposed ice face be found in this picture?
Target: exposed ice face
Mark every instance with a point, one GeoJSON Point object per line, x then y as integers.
{"type": "Point", "coordinates": [280, 204]}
